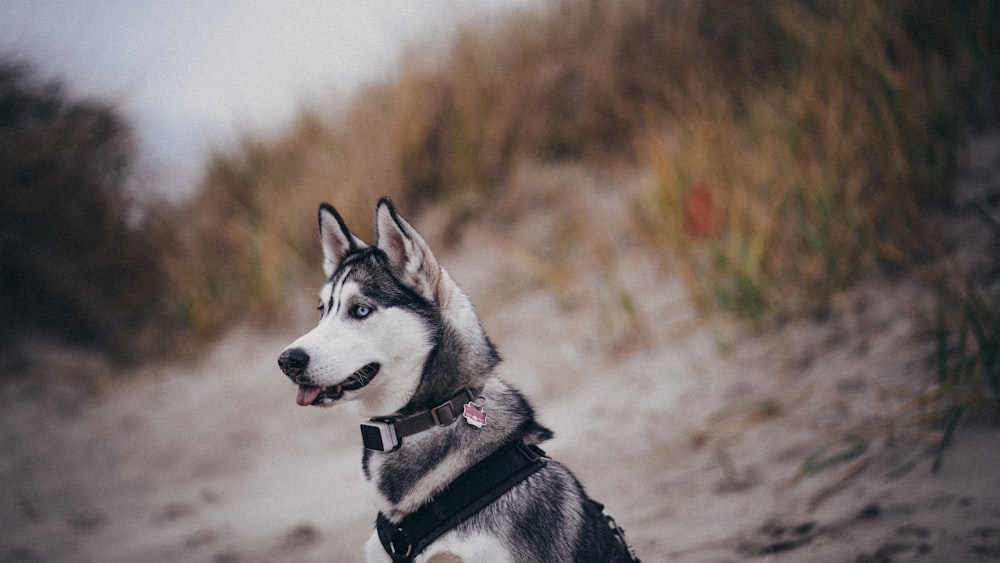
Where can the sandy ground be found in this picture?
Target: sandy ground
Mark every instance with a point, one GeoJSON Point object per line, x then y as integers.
{"type": "Point", "coordinates": [800, 444]}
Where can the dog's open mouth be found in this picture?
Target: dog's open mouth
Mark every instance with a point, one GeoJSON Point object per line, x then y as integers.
{"type": "Point", "coordinates": [313, 395]}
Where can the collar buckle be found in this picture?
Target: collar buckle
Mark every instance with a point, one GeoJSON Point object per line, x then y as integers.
{"type": "Point", "coordinates": [446, 413]}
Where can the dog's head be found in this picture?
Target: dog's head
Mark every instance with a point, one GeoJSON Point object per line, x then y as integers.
{"type": "Point", "coordinates": [384, 312]}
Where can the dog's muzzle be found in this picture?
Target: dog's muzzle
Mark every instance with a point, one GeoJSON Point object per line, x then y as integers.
{"type": "Point", "coordinates": [293, 362]}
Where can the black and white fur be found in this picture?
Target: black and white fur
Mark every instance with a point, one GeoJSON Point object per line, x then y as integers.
{"type": "Point", "coordinates": [391, 307]}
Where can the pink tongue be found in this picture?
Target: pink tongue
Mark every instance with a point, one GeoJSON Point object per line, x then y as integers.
{"type": "Point", "coordinates": [307, 394]}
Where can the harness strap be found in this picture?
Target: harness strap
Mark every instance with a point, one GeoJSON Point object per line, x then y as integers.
{"type": "Point", "coordinates": [464, 497]}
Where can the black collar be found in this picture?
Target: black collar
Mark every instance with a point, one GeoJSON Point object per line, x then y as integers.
{"type": "Point", "coordinates": [385, 434]}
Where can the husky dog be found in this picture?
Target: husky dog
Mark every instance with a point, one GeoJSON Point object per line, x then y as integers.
{"type": "Point", "coordinates": [450, 458]}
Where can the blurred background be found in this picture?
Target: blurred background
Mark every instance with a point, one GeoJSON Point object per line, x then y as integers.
{"type": "Point", "coordinates": [161, 162]}
{"type": "Point", "coordinates": [114, 112]}
{"type": "Point", "coordinates": [776, 149]}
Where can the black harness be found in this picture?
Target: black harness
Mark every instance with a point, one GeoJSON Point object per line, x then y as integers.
{"type": "Point", "coordinates": [469, 493]}
{"type": "Point", "coordinates": [465, 496]}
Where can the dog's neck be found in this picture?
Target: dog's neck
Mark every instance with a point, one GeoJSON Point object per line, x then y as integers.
{"type": "Point", "coordinates": [400, 481]}
{"type": "Point", "coordinates": [463, 358]}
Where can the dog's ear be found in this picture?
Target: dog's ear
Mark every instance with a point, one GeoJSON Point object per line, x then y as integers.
{"type": "Point", "coordinates": [337, 240]}
{"type": "Point", "coordinates": [409, 256]}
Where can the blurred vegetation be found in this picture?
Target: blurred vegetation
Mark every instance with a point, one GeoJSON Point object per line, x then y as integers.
{"type": "Point", "coordinates": [823, 151]}
{"type": "Point", "coordinates": [789, 146]}
{"type": "Point", "coordinates": [792, 144]}
{"type": "Point", "coordinates": [967, 334]}
{"type": "Point", "coordinates": [71, 264]}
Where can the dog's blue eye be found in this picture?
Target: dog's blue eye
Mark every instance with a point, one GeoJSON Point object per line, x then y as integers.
{"type": "Point", "coordinates": [360, 311]}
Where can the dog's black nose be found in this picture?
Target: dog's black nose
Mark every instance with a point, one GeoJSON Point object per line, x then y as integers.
{"type": "Point", "coordinates": [293, 362]}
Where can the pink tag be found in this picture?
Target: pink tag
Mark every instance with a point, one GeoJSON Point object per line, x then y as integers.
{"type": "Point", "coordinates": [474, 414]}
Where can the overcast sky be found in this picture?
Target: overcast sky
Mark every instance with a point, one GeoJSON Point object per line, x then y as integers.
{"type": "Point", "coordinates": [192, 74]}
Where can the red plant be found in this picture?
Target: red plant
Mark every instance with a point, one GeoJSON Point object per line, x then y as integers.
{"type": "Point", "coordinates": [700, 218]}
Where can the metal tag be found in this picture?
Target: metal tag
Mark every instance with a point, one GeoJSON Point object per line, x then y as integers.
{"type": "Point", "coordinates": [474, 414]}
